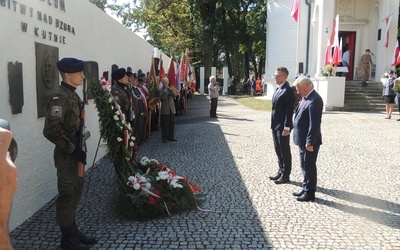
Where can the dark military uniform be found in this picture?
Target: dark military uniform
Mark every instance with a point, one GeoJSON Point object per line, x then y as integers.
{"type": "Point", "coordinates": [120, 92]}
{"type": "Point", "coordinates": [61, 127]}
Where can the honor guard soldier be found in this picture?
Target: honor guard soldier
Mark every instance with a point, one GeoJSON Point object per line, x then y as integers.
{"type": "Point", "coordinates": [62, 127]}
{"type": "Point", "coordinates": [120, 92]}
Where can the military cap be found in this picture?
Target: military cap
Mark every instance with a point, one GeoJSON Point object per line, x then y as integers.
{"type": "Point", "coordinates": [129, 74]}
{"type": "Point", "coordinates": [390, 71]}
{"type": "Point", "coordinates": [367, 50]}
{"type": "Point", "coordinates": [118, 74]}
{"type": "Point", "coordinates": [70, 65]}
{"type": "Point", "coordinates": [140, 80]}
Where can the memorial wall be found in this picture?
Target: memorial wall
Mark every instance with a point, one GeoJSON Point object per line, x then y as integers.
{"type": "Point", "coordinates": [34, 35]}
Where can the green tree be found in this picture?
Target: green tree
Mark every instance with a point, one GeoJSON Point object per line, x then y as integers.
{"type": "Point", "coordinates": [217, 32]}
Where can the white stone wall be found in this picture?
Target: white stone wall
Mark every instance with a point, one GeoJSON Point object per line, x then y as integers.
{"type": "Point", "coordinates": [93, 36]}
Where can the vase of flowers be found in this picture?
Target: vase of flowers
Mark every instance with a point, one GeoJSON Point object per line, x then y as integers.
{"type": "Point", "coordinates": [327, 71]}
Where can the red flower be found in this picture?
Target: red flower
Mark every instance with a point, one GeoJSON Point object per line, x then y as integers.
{"type": "Point", "coordinates": [152, 201]}
{"type": "Point", "coordinates": [194, 188]}
{"type": "Point", "coordinates": [161, 167]}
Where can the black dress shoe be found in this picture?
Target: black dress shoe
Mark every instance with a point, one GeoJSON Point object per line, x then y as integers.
{"type": "Point", "coordinates": [298, 193]}
{"type": "Point", "coordinates": [306, 197]}
{"type": "Point", "coordinates": [282, 181]}
{"type": "Point", "coordinates": [274, 178]}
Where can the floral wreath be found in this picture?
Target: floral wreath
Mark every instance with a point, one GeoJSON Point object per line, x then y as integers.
{"type": "Point", "coordinates": [147, 188]}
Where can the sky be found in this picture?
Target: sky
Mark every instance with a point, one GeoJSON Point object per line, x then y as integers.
{"type": "Point", "coordinates": [141, 33]}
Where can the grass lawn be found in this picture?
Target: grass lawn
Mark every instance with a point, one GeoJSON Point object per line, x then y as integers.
{"type": "Point", "coordinates": [253, 103]}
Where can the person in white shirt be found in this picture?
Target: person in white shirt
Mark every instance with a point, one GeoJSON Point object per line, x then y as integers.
{"type": "Point", "coordinates": [346, 60]}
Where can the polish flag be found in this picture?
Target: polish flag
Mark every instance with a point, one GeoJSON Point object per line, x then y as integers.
{"type": "Point", "coordinates": [396, 55]}
{"type": "Point", "coordinates": [387, 21]}
{"type": "Point", "coordinates": [294, 10]}
{"type": "Point", "coordinates": [328, 54]}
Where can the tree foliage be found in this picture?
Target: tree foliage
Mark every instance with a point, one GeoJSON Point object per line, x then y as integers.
{"type": "Point", "coordinates": [217, 32]}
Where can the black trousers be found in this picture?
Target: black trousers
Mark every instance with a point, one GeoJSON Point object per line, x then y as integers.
{"type": "Point", "coordinates": [213, 107]}
{"type": "Point", "coordinates": [308, 164]}
{"type": "Point", "coordinates": [282, 150]}
{"type": "Point", "coordinates": [167, 123]}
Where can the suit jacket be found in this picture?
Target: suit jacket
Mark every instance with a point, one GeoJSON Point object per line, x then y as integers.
{"type": "Point", "coordinates": [282, 107]}
{"type": "Point", "coordinates": [307, 121]}
{"type": "Point", "coordinates": [167, 101]}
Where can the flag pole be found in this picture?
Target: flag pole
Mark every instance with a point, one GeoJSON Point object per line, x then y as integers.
{"type": "Point", "coordinates": [298, 39]}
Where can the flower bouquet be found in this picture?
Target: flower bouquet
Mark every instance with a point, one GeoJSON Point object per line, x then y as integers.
{"type": "Point", "coordinates": [396, 87]}
{"type": "Point", "coordinates": [113, 127]}
{"type": "Point", "coordinates": [147, 189]}
{"type": "Point", "coordinates": [150, 189]}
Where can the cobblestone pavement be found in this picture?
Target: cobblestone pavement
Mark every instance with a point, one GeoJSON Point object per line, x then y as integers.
{"type": "Point", "coordinates": [231, 157]}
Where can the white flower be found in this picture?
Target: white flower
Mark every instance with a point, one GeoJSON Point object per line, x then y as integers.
{"type": "Point", "coordinates": [136, 186]}
{"type": "Point", "coordinates": [112, 107]}
{"type": "Point", "coordinates": [162, 175]}
{"type": "Point", "coordinates": [131, 178]}
{"type": "Point", "coordinates": [116, 117]}
{"type": "Point", "coordinates": [117, 112]}
{"type": "Point", "coordinates": [174, 183]}
{"type": "Point", "coordinates": [119, 139]}
{"type": "Point", "coordinates": [110, 100]}
{"type": "Point", "coordinates": [148, 185]}
{"type": "Point", "coordinates": [144, 161]}
{"type": "Point", "coordinates": [133, 138]}
{"type": "Point", "coordinates": [131, 144]}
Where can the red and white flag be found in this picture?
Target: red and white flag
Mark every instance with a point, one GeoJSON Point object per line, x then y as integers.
{"type": "Point", "coordinates": [387, 22]}
{"type": "Point", "coordinates": [334, 41]}
{"type": "Point", "coordinates": [396, 55]}
{"type": "Point", "coordinates": [328, 54]}
{"type": "Point", "coordinates": [171, 74]}
{"type": "Point", "coordinates": [295, 9]}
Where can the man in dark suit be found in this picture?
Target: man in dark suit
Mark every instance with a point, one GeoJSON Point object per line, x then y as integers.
{"type": "Point", "coordinates": [307, 135]}
{"type": "Point", "coordinates": [281, 124]}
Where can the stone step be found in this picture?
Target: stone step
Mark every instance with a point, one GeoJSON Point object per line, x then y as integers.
{"type": "Point", "coordinates": [358, 98]}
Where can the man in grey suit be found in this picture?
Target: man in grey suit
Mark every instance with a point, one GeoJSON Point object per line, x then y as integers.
{"type": "Point", "coordinates": [281, 124]}
{"type": "Point", "coordinates": [168, 111]}
{"type": "Point", "coordinates": [307, 135]}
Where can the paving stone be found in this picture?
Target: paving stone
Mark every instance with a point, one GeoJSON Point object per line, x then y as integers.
{"type": "Point", "coordinates": [357, 204]}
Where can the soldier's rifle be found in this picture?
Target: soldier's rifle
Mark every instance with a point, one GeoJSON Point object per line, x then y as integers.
{"type": "Point", "coordinates": [83, 135]}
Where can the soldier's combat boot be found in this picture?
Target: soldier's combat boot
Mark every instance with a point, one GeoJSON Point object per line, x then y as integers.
{"type": "Point", "coordinates": [70, 242]}
{"type": "Point", "coordinates": [85, 239]}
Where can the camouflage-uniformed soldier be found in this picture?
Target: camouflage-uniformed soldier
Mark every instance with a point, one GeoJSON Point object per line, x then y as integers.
{"type": "Point", "coordinates": [120, 92]}
{"type": "Point", "coordinates": [62, 128]}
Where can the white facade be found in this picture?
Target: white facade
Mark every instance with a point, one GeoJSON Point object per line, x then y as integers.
{"type": "Point", "coordinates": [361, 19]}
{"type": "Point", "coordinates": [90, 35]}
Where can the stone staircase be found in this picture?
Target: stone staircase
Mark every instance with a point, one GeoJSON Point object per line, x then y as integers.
{"type": "Point", "coordinates": [358, 98]}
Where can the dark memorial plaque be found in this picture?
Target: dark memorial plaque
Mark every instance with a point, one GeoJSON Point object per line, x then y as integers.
{"type": "Point", "coordinates": [47, 76]}
{"type": "Point", "coordinates": [16, 87]}
{"type": "Point", "coordinates": [91, 72]}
